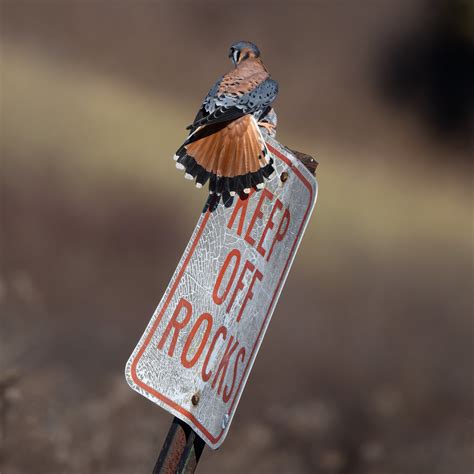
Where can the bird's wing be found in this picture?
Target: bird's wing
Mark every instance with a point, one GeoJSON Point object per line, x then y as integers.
{"type": "Point", "coordinates": [208, 104]}
{"type": "Point", "coordinates": [237, 93]}
{"type": "Point", "coordinates": [231, 106]}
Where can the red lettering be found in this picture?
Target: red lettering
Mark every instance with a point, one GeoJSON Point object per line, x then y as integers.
{"type": "Point", "coordinates": [270, 224]}
{"type": "Point", "coordinates": [176, 325]}
{"type": "Point", "coordinates": [265, 194]}
{"type": "Point", "coordinates": [224, 364]}
{"type": "Point", "coordinates": [240, 206]}
{"type": "Point", "coordinates": [249, 295]}
{"type": "Point", "coordinates": [240, 286]}
{"type": "Point", "coordinates": [281, 231]}
{"type": "Point", "coordinates": [220, 299]}
{"type": "Point", "coordinates": [204, 374]}
{"type": "Point", "coordinates": [204, 318]}
{"type": "Point", "coordinates": [226, 395]}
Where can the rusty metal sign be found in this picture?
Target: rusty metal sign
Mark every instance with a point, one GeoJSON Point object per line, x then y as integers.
{"type": "Point", "coordinates": [196, 354]}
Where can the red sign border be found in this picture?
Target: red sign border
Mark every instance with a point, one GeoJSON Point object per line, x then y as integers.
{"type": "Point", "coordinates": [139, 354]}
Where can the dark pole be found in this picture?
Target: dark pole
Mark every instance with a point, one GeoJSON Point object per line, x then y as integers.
{"type": "Point", "coordinates": [181, 451]}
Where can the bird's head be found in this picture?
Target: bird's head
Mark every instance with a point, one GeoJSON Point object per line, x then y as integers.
{"type": "Point", "coordinates": [243, 50]}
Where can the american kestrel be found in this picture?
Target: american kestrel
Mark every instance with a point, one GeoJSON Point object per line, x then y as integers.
{"type": "Point", "coordinates": [225, 144]}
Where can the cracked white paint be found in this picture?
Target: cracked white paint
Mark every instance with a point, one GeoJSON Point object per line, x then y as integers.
{"type": "Point", "coordinates": [161, 377]}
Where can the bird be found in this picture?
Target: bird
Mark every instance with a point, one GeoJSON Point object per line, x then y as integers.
{"type": "Point", "coordinates": [225, 145]}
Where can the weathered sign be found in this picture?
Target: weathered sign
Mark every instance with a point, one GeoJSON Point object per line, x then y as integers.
{"type": "Point", "coordinates": [196, 354]}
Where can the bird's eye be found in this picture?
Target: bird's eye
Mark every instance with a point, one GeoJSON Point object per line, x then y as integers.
{"type": "Point", "coordinates": [235, 55]}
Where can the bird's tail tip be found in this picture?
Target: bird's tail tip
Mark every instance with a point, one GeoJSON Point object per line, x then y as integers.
{"type": "Point", "coordinates": [213, 200]}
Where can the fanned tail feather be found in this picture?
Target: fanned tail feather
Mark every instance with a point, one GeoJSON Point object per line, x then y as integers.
{"type": "Point", "coordinates": [232, 156]}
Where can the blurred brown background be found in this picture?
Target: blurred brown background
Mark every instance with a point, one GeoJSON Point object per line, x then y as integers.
{"type": "Point", "coordinates": [95, 96]}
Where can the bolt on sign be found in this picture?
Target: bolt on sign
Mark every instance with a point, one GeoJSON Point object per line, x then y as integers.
{"type": "Point", "coordinates": [196, 354]}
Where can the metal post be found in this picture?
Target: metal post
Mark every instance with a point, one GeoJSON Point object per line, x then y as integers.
{"type": "Point", "coordinates": [181, 450]}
